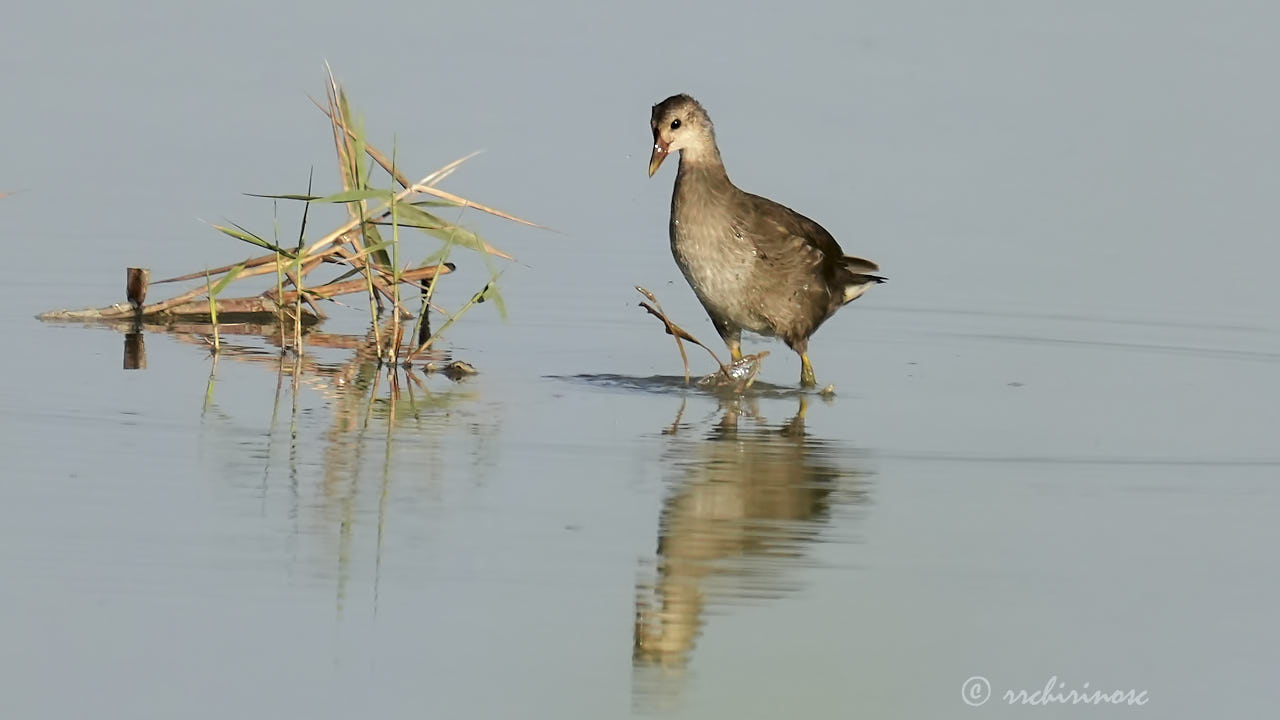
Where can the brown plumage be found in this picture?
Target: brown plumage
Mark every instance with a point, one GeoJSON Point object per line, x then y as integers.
{"type": "Point", "coordinates": [754, 264]}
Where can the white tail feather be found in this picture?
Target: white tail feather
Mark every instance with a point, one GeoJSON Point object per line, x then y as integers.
{"type": "Point", "coordinates": [853, 292]}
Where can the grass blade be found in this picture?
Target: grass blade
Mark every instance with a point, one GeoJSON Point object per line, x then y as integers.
{"type": "Point", "coordinates": [226, 279]}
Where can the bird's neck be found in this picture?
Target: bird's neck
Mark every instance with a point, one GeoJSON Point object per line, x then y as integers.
{"type": "Point", "coordinates": [703, 166]}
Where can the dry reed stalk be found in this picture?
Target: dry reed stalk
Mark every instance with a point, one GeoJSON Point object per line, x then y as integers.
{"type": "Point", "coordinates": [679, 333]}
{"type": "Point", "coordinates": [442, 173]}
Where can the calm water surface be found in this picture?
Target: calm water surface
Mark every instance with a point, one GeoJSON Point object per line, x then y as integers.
{"type": "Point", "coordinates": [1051, 454]}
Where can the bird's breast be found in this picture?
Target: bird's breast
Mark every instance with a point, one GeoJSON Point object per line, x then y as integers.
{"type": "Point", "coordinates": [720, 265]}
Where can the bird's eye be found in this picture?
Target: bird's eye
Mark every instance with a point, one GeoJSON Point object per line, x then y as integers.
{"type": "Point", "coordinates": [675, 124]}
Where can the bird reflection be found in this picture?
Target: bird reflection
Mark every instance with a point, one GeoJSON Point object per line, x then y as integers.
{"type": "Point", "coordinates": [749, 500]}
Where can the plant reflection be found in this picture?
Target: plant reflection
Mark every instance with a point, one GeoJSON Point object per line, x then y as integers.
{"type": "Point", "coordinates": [382, 424]}
{"type": "Point", "coordinates": [749, 500]}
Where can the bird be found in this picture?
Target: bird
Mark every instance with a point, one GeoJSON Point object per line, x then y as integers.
{"type": "Point", "coordinates": [754, 264]}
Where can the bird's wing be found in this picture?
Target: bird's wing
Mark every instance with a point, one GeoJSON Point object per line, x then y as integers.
{"type": "Point", "coordinates": [859, 265]}
{"type": "Point", "coordinates": [784, 237]}
{"type": "Point", "coordinates": [776, 228]}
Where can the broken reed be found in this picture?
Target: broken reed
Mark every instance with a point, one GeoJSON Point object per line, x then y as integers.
{"type": "Point", "coordinates": [371, 264]}
{"type": "Point", "coordinates": [379, 260]}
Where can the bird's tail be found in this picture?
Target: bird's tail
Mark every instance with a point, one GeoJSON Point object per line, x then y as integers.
{"type": "Point", "coordinates": [857, 277]}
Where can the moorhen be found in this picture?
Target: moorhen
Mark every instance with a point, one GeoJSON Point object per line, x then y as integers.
{"type": "Point", "coordinates": [754, 264]}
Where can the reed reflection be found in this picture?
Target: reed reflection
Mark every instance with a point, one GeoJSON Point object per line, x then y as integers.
{"type": "Point", "coordinates": [353, 446]}
{"type": "Point", "coordinates": [749, 500]}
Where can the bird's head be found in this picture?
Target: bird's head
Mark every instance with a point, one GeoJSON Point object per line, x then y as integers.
{"type": "Point", "coordinates": [680, 124]}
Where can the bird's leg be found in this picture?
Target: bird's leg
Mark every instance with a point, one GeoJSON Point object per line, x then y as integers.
{"type": "Point", "coordinates": [731, 336]}
{"type": "Point", "coordinates": [806, 372]}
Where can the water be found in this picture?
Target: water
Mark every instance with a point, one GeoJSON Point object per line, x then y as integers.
{"type": "Point", "coordinates": [1051, 451]}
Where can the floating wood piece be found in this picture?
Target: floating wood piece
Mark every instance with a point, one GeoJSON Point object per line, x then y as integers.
{"type": "Point", "coordinates": [135, 286]}
{"type": "Point", "coordinates": [267, 303]}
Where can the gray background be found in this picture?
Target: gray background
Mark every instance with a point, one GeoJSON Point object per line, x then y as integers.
{"type": "Point", "coordinates": [1055, 426]}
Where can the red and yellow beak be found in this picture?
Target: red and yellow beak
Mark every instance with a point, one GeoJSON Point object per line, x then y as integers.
{"type": "Point", "coordinates": [660, 149]}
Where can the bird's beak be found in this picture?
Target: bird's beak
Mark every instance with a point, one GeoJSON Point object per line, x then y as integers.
{"type": "Point", "coordinates": [660, 149]}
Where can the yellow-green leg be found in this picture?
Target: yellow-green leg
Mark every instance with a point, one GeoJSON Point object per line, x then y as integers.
{"type": "Point", "coordinates": [735, 350]}
{"type": "Point", "coordinates": [806, 372]}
